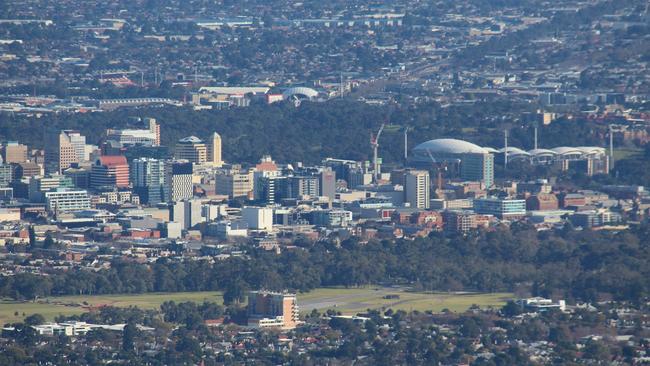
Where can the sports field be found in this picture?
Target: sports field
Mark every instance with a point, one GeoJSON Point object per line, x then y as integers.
{"type": "Point", "coordinates": [354, 300]}
{"type": "Point", "coordinates": [69, 305]}
{"type": "Point", "coordinates": [626, 152]}
{"type": "Point", "coordinates": [345, 300]}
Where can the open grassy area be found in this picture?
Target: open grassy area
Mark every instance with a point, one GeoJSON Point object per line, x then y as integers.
{"type": "Point", "coordinates": [626, 152]}
{"type": "Point", "coordinates": [350, 301]}
{"type": "Point", "coordinates": [144, 301]}
{"type": "Point", "coordinates": [345, 300]}
{"type": "Point", "coordinates": [71, 305]}
{"type": "Point", "coordinates": [12, 311]}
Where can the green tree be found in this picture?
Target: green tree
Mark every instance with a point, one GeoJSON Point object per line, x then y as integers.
{"type": "Point", "coordinates": [32, 237]}
{"type": "Point", "coordinates": [129, 335]}
{"type": "Point", "coordinates": [235, 292]}
{"type": "Point", "coordinates": [596, 350]}
{"type": "Point", "coordinates": [49, 242]}
{"type": "Point", "coordinates": [35, 319]}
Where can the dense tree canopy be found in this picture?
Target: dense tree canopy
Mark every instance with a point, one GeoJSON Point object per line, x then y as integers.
{"type": "Point", "coordinates": [578, 265]}
{"type": "Point", "coordinates": [317, 130]}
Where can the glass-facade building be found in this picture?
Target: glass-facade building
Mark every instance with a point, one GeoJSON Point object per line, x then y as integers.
{"type": "Point", "coordinates": [501, 208]}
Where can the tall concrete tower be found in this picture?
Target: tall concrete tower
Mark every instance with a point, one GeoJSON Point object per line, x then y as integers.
{"type": "Point", "coordinates": [154, 127]}
{"type": "Point", "coordinates": [214, 150]}
{"type": "Point", "coordinates": [416, 188]}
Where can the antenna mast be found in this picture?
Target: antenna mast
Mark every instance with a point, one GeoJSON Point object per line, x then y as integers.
{"type": "Point", "coordinates": [505, 151]}
{"type": "Point", "coordinates": [406, 143]}
{"type": "Point", "coordinates": [611, 147]}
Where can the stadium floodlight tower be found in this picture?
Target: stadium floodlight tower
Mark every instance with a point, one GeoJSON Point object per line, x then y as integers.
{"type": "Point", "coordinates": [406, 142]}
{"type": "Point", "coordinates": [374, 143]}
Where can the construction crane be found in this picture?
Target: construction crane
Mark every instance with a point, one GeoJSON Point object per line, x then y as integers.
{"type": "Point", "coordinates": [374, 143]}
{"type": "Point", "coordinates": [438, 167]}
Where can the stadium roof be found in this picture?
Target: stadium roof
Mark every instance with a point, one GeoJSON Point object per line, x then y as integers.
{"type": "Point", "coordinates": [564, 150]}
{"type": "Point", "coordinates": [513, 151]}
{"type": "Point", "coordinates": [592, 149]}
{"type": "Point", "coordinates": [450, 146]}
{"type": "Point", "coordinates": [300, 90]}
{"type": "Point", "coordinates": [542, 152]}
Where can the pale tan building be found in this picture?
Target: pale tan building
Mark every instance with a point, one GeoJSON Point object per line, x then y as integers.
{"type": "Point", "coordinates": [62, 149]}
{"type": "Point", "coordinates": [192, 149]}
{"type": "Point", "coordinates": [214, 151]}
{"type": "Point", "coordinates": [273, 310]}
{"type": "Point", "coordinates": [234, 184]}
{"type": "Point", "coordinates": [13, 152]}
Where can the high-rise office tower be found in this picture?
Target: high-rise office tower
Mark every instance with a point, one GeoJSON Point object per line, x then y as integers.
{"type": "Point", "coordinates": [416, 188]}
{"type": "Point", "coordinates": [110, 171]}
{"type": "Point", "coordinates": [270, 188]}
{"type": "Point", "coordinates": [214, 150]}
{"type": "Point", "coordinates": [328, 184]}
{"type": "Point", "coordinates": [187, 213]}
{"type": "Point", "coordinates": [478, 167]}
{"type": "Point", "coordinates": [300, 186]}
{"type": "Point", "coordinates": [80, 177]}
{"type": "Point", "coordinates": [154, 127]}
{"type": "Point", "coordinates": [63, 148]}
{"type": "Point", "coordinates": [234, 184]}
{"type": "Point", "coordinates": [191, 149]}
{"type": "Point", "coordinates": [263, 184]}
{"type": "Point", "coordinates": [13, 152]}
{"type": "Point", "coordinates": [178, 179]}
{"type": "Point", "coordinates": [6, 175]}
{"type": "Point", "coordinates": [148, 178]}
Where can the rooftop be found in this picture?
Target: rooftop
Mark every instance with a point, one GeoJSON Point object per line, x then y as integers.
{"type": "Point", "coordinates": [449, 146]}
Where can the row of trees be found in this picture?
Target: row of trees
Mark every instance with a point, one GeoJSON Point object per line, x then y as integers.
{"type": "Point", "coordinates": [577, 265]}
{"type": "Point", "coordinates": [317, 130]}
{"type": "Point", "coordinates": [414, 339]}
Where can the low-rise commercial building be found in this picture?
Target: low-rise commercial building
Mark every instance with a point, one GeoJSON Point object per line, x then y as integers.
{"type": "Point", "coordinates": [67, 200]}
{"type": "Point", "coordinates": [505, 209]}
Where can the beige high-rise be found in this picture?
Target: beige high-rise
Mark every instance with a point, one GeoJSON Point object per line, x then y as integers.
{"type": "Point", "coordinates": [63, 149]}
{"type": "Point", "coordinates": [234, 184]}
{"type": "Point", "coordinates": [13, 152]}
{"type": "Point", "coordinates": [154, 127]}
{"type": "Point", "coordinates": [192, 149]}
{"type": "Point", "coordinates": [273, 310]}
{"type": "Point", "coordinates": [214, 150]}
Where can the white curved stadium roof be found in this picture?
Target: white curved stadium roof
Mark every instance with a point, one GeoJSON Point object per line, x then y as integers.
{"type": "Point", "coordinates": [513, 151]}
{"type": "Point", "coordinates": [491, 150]}
{"type": "Point", "coordinates": [592, 149]}
{"type": "Point", "coordinates": [449, 146]}
{"type": "Point", "coordinates": [300, 90]}
{"type": "Point", "coordinates": [540, 152]}
{"type": "Point", "coordinates": [564, 150]}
